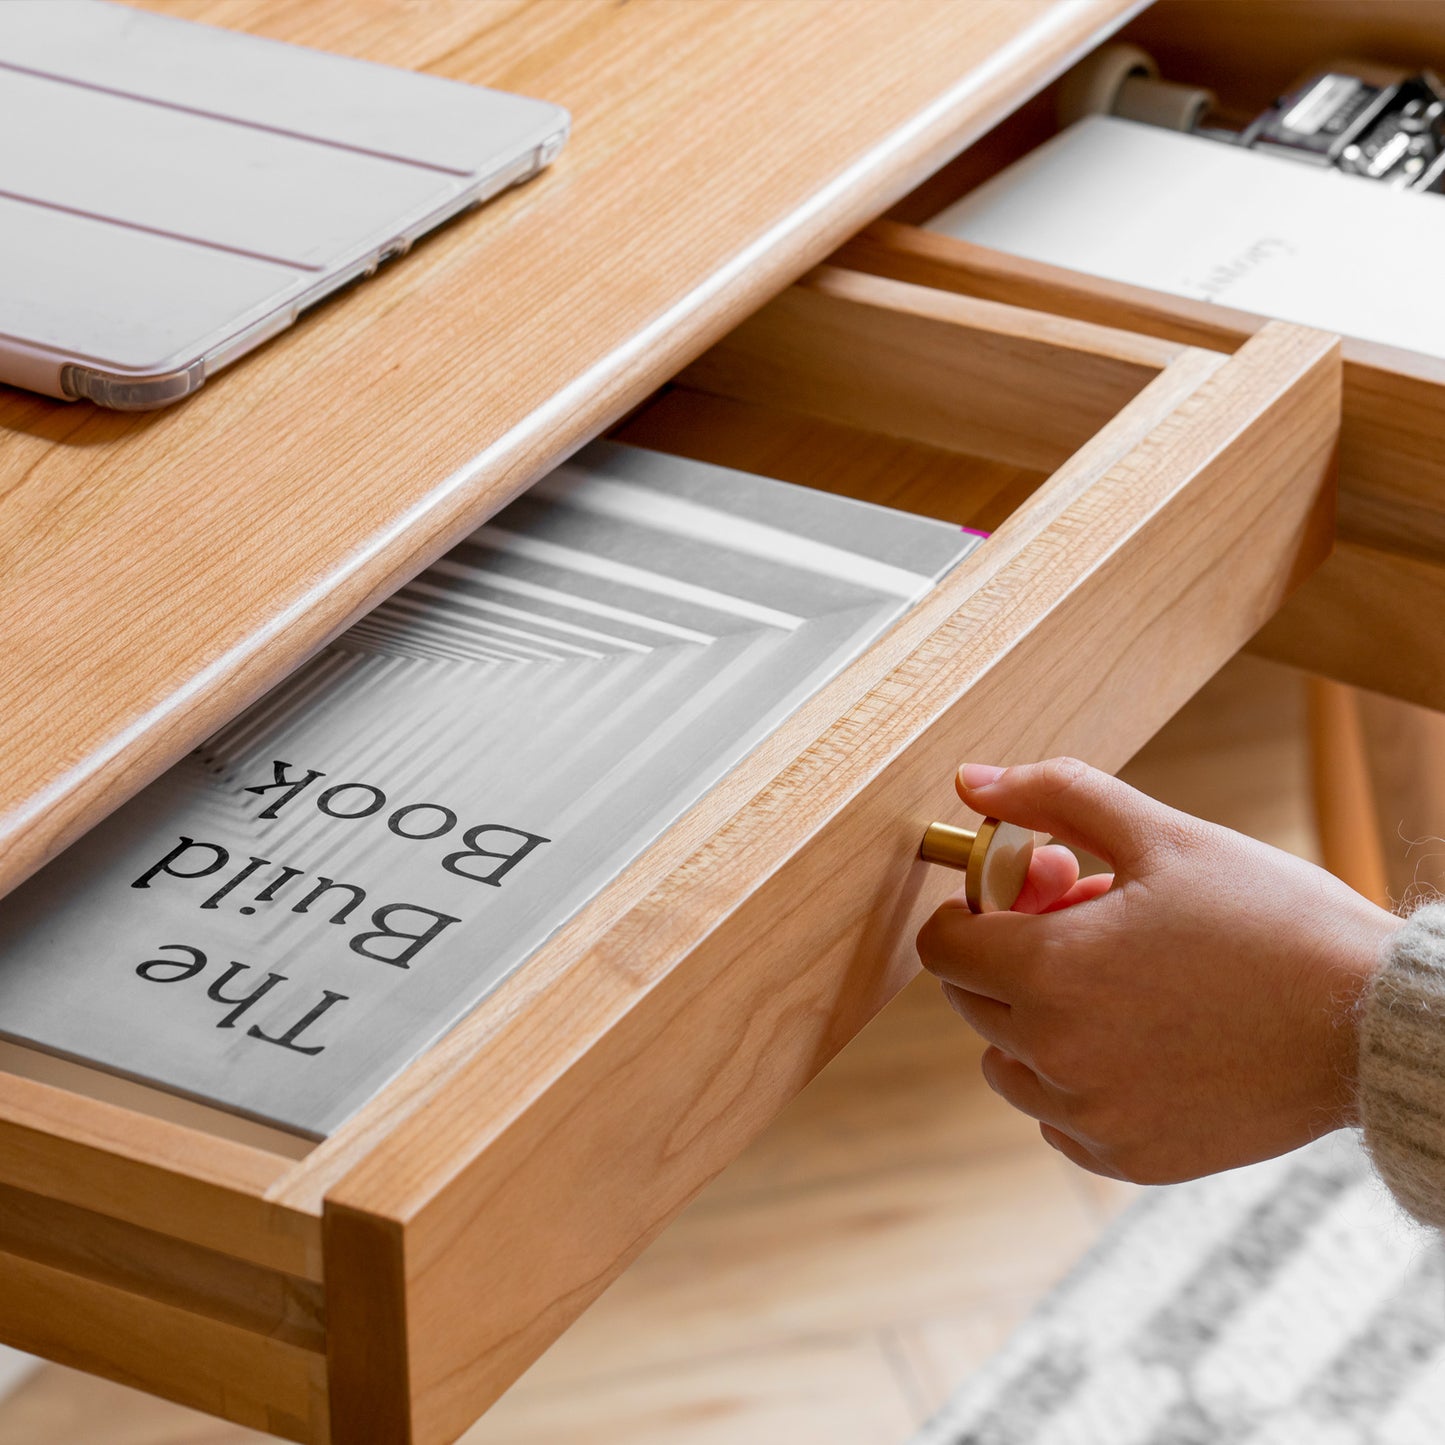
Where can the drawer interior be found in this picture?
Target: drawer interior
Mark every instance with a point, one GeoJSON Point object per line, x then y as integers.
{"type": "Point", "coordinates": [389, 1281]}
{"type": "Point", "coordinates": [1251, 54]}
{"type": "Point", "coordinates": [954, 408]}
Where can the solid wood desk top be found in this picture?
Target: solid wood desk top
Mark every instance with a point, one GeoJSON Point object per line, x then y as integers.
{"type": "Point", "coordinates": [159, 572]}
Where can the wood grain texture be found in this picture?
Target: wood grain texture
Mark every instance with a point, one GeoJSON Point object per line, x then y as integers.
{"type": "Point", "coordinates": [60, 1406]}
{"type": "Point", "coordinates": [1404, 751]}
{"type": "Point", "coordinates": [1391, 509]}
{"type": "Point", "coordinates": [160, 1176]}
{"type": "Point", "coordinates": [1343, 795]}
{"type": "Point", "coordinates": [842, 1391]}
{"type": "Point", "coordinates": [1238, 755]}
{"type": "Point", "coordinates": [945, 370]}
{"type": "Point", "coordinates": [1392, 461]}
{"type": "Point", "coordinates": [90, 1082]}
{"type": "Point", "coordinates": [945, 263]}
{"type": "Point", "coordinates": [369, 1349]}
{"type": "Point", "coordinates": [156, 1265]}
{"type": "Point", "coordinates": [167, 1349]}
{"type": "Point", "coordinates": [159, 572]}
{"type": "Point", "coordinates": [1369, 617]}
{"type": "Point", "coordinates": [148, 1252]}
{"type": "Point", "coordinates": [550, 1160]}
{"type": "Point", "coordinates": [833, 456]}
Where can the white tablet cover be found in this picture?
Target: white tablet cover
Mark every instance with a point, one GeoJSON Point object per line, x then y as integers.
{"type": "Point", "coordinates": [171, 192]}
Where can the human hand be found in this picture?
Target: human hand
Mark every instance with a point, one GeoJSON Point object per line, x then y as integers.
{"type": "Point", "coordinates": [1196, 1015]}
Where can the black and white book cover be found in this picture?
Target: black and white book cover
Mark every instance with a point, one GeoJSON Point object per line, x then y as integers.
{"type": "Point", "coordinates": [290, 915]}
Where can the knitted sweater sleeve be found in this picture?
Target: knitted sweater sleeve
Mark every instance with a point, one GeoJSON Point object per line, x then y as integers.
{"type": "Point", "coordinates": [1402, 1065]}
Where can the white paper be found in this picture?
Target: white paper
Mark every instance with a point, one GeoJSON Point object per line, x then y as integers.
{"type": "Point", "coordinates": [1191, 216]}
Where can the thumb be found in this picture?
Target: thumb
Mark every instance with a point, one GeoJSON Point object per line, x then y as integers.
{"type": "Point", "coordinates": [1072, 802]}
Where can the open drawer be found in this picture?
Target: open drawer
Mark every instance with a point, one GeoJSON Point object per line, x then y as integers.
{"type": "Point", "coordinates": [1369, 617]}
{"type": "Point", "coordinates": [1151, 504]}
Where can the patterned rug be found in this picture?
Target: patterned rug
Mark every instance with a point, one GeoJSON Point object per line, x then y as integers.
{"type": "Point", "coordinates": [1289, 1303]}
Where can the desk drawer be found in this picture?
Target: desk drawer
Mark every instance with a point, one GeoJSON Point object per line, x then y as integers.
{"type": "Point", "coordinates": [1368, 617]}
{"type": "Point", "coordinates": [1151, 504]}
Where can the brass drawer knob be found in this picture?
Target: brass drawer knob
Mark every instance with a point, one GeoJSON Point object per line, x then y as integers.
{"type": "Point", "coordinates": [994, 860]}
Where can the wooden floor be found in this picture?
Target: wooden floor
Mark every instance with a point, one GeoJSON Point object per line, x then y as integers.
{"type": "Point", "coordinates": [869, 1250]}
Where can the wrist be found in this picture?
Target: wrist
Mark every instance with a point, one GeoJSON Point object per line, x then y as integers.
{"type": "Point", "coordinates": [1361, 946]}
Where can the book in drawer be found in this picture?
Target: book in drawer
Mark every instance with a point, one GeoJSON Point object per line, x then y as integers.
{"type": "Point", "coordinates": [288, 917]}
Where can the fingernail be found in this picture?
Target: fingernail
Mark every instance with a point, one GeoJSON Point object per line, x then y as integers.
{"type": "Point", "coordinates": [979, 775]}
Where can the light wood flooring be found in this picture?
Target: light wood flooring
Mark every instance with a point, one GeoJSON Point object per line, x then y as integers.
{"type": "Point", "coordinates": [869, 1250]}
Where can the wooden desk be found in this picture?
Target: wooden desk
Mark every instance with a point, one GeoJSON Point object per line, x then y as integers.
{"type": "Point", "coordinates": [161, 571]}
{"type": "Point", "coordinates": [1152, 504]}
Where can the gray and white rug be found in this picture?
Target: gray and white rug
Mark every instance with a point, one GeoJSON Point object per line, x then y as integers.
{"type": "Point", "coordinates": [1289, 1303]}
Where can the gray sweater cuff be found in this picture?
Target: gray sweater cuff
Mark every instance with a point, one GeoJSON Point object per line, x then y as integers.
{"type": "Point", "coordinates": [1402, 1065]}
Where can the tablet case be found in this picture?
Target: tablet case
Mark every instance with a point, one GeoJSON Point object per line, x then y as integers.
{"type": "Point", "coordinates": [172, 194]}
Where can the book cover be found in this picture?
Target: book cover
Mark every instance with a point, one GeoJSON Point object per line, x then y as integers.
{"type": "Point", "coordinates": [291, 914]}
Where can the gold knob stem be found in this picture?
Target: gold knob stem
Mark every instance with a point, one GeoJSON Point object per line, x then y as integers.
{"type": "Point", "coordinates": [943, 843]}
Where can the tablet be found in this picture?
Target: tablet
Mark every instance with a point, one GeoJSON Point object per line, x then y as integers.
{"type": "Point", "coordinates": [172, 194]}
